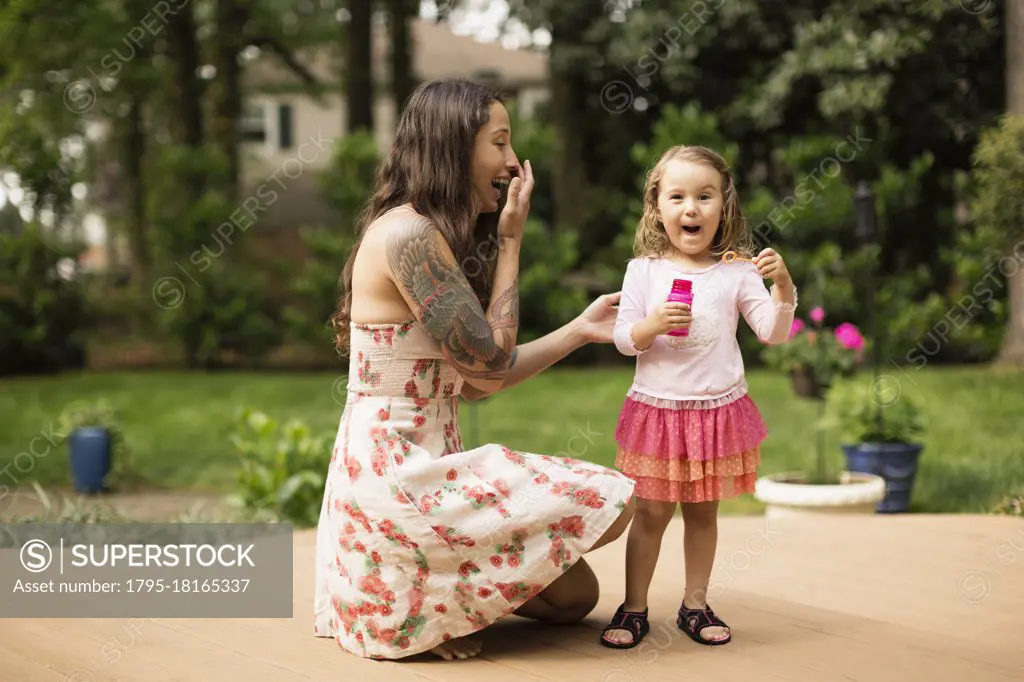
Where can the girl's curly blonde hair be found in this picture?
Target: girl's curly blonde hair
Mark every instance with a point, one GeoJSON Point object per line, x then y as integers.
{"type": "Point", "coordinates": [733, 234]}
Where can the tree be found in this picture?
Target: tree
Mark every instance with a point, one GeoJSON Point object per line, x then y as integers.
{"type": "Point", "coordinates": [1012, 350]}
{"type": "Point", "coordinates": [400, 15]}
{"type": "Point", "coordinates": [359, 65]}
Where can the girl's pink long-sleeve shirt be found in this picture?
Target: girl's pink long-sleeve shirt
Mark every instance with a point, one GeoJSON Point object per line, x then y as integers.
{"type": "Point", "coordinates": [707, 364]}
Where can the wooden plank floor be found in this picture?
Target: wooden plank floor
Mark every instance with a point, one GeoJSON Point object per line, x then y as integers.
{"type": "Point", "coordinates": [867, 598]}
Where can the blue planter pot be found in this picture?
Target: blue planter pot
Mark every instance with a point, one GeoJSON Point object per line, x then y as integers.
{"type": "Point", "coordinates": [89, 449]}
{"type": "Point", "coordinates": [895, 462]}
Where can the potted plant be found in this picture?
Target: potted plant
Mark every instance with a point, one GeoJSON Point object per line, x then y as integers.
{"type": "Point", "coordinates": [815, 355]}
{"type": "Point", "coordinates": [814, 358]}
{"type": "Point", "coordinates": [93, 432]}
{"type": "Point", "coordinates": [819, 490]}
{"type": "Point", "coordinates": [879, 424]}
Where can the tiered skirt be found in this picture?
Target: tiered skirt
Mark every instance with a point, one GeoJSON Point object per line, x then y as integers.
{"type": "Point", "coordinates": [690, 451]}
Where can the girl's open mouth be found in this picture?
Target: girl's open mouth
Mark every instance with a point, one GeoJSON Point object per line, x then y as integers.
{"type": "Point", "coordinates": [691, 229]}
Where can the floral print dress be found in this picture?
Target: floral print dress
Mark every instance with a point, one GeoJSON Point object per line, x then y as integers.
{"type": "Point", "coordinates": [420, 541]}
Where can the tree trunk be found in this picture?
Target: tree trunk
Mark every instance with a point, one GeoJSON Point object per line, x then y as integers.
{"type": "Point", "coordinates": [400, 14]}
{"type": "Point", "coordinates": [1012, 351]}
{"type": "Point", "coordinates": [187, 125]}
{"type": "Point", "coordinates": [358, 66]}
{"type": "Point", "coordinates": [227, 101]}
{"type": "Point", "coordinates": [134, 151]}
{"type": "Point", "coordinates": [569, 180]}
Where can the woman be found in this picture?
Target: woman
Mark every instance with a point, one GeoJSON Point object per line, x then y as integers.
{"type": "Point", "coordinates": [421, 543]}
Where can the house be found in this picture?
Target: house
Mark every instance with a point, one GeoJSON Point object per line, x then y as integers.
{"type": "Point", "coordinates": [288, 133]}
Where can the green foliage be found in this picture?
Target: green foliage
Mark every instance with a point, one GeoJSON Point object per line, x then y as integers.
{"type": "Point", "coordinates": [996, 188]}
{"type": "Point", "coordinates": [30, 147]}
{"type": "Point", "coordinates": [282, 468]}
{"type": "Point", "coordinates": [42, 314]}
{"type": "Point", "coordinates": [533, 139]}
{"type": "Point", "coordinates": [204, 293]}
{"type": "Point", "coordinates": [689, 125]}
{"type": "Point", "coordinates": [547, 299]}
{"type": "Point", "coordinates": [70, 511]}
{"type": "Point", "coordinates": [348, 181]}
{"type": "Point", "coordinates": [1011, 505]}
{"type": "Point", "coordinates": [225, 311]}
{"type": "Point", "coordinates": [853, 406]}
{"type": "Point", "coordinates": [317, 285]}
{"type": "Point", "coordinates": [348, 184]}
{"type": "Point", "coordinates": [97, 413]}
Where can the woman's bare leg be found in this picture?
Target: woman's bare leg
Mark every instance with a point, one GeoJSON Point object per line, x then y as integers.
{"type": "Point", "coordinates": [618, 527]}
{"type": "Point", "coordinates": [567, 600]}
{"type": "Point", "coordinates": [575, 593]}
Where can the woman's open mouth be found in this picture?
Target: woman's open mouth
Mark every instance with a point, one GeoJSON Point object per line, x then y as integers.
{"type": "Point", "coordinates": [500, 187]}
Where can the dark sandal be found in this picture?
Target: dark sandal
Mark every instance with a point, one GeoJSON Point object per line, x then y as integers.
{"type": "Point", "coordinates": [693, 622]}
{"type": "Point", "coordinates": [634, 621]}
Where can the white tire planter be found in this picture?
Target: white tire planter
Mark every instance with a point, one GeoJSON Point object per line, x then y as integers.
{"type": "Point", "coordinates": [786, 495]}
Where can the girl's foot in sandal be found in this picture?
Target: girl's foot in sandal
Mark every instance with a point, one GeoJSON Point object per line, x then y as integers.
{"type": "Point", "coordinates": [694, 622]}
{"type": "Point", "coordinates": [626, 629]}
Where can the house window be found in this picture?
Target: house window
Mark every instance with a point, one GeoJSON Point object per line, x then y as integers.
{"type": "Point", "coordinates": [253, 125]}
{"type": "Point", "coordinates": [284, 126]}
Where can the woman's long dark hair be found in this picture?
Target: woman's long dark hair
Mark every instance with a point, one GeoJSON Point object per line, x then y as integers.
{"type": "Point", "coordinates": [428, 167]}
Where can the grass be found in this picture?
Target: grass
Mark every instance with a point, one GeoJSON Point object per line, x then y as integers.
{"type": "Point", "coordinates": [178, 424]}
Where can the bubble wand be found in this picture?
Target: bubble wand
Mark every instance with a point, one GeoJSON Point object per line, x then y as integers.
{"type": "Point", "coordinates": [731, 256]}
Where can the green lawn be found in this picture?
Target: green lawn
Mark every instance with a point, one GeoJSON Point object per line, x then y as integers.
{"type": "Point", "coordinates": [178, 424]}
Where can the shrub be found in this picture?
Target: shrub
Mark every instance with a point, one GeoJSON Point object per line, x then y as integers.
{"type": "Point", "coordinates": [42, 313]}
{"type": "Point", "coordinates": [282, 468]}
{"type": "Point", "coordinates": [853, 405]}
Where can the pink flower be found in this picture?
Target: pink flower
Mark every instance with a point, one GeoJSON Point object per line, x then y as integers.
{"type": "Point", "coordinates": [817, 315]}
{"type": "Point", "coordinates": [849, 337]}
{"type": "Point", "coordinates": [798, 326]}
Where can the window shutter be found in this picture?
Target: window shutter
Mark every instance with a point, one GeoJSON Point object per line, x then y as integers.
{"type": "Point", "coordinates": [284, 125]}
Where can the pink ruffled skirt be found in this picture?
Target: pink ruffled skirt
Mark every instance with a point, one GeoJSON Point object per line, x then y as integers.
{"type": "Point", "coordinates": [690, 451]}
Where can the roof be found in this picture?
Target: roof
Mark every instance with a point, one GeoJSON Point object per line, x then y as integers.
{"type": "Point", "coordinates": [437, 53]}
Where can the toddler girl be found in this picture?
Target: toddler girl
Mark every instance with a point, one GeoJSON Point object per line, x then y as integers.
{"type": "Point", "coordinates": [688, 433]}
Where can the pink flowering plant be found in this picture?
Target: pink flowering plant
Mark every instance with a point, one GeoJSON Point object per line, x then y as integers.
{"type": "Point", "coordinates": [818, 351]}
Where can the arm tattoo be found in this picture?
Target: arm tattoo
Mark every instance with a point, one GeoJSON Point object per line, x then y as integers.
{"type": "Point", "coordinates": [448, 308]}
{"type": "Point", "coordinates": [506, 307]}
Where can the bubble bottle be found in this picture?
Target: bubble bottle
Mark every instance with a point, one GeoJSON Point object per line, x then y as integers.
{"type": "Point", "coordinates": [682, 292]}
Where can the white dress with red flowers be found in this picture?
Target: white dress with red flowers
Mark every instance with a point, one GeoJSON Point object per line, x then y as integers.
{"type": "Point", "coordinates": [419, 541]}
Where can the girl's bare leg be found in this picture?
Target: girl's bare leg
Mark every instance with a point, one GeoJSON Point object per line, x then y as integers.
{"type": "Point", "coordinates": [642, 549]}
{"type": "Point", "coordinates": [700, 541]}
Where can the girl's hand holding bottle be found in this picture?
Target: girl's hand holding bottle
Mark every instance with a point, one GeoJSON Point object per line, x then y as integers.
{"type": "Point", "coordinates": [666, 317]}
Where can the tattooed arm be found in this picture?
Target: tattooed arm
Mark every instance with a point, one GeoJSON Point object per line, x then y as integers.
{"type": "Point", "coordinates": [594, 325]}
{"type": "Point", "coordinates": [533, 358]}
{"type": "Point", "coordinates": [481, 345]}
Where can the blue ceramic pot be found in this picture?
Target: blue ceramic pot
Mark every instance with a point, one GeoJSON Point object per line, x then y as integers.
{"type": "Point", "coordinates": [895, 462]}
{"type": "Point", "coordinates": [89, 449]}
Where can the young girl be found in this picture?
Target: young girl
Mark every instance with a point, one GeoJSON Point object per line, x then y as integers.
{"type": "Point", "coordinates": [688, 432]}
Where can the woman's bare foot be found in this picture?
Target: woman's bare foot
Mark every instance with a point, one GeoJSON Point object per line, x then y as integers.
{"type": "Point", "coordinates": [461, 648]}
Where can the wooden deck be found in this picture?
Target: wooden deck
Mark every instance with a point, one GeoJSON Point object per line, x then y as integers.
{"type": "Point", "coordinates": [868, 598]}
